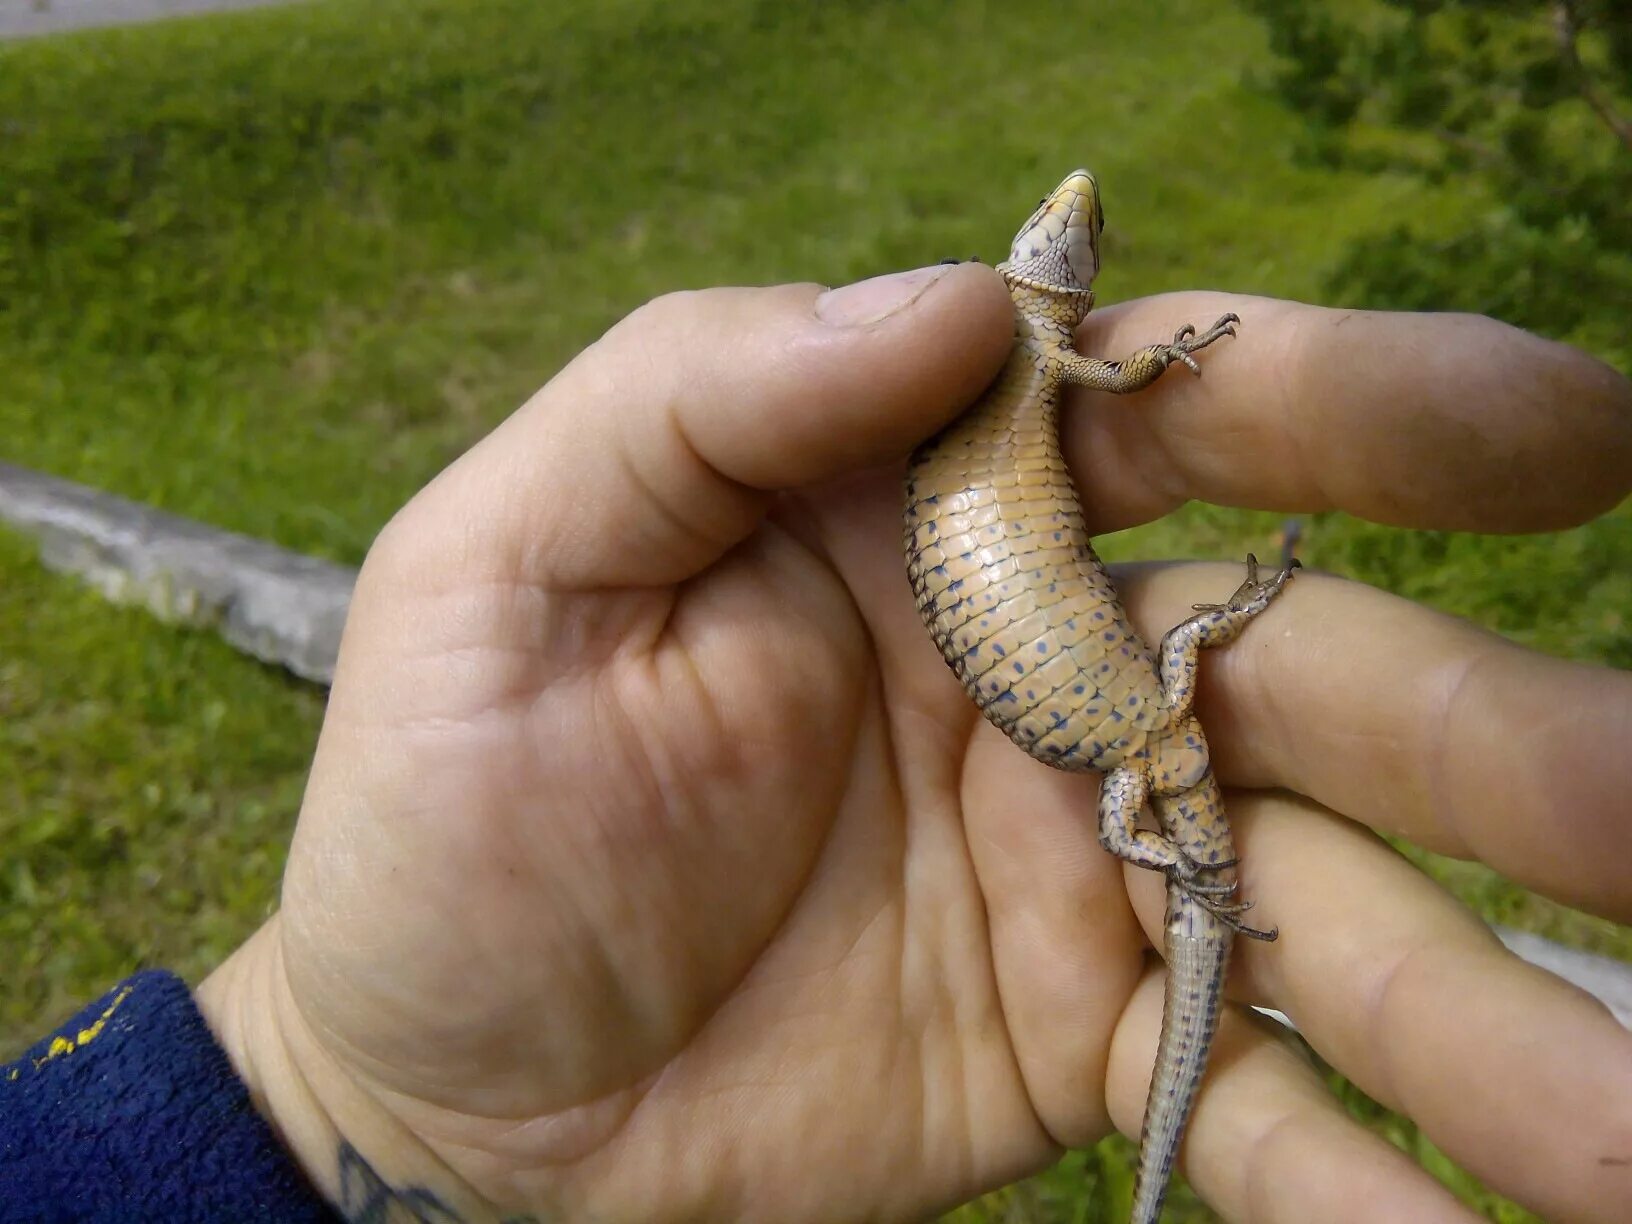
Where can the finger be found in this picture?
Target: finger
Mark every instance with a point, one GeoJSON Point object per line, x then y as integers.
{"type": "Point", "coordinates": [1424, 420]}
{"type": "Point", "coordinates": [652, 453]}
{"type": "Point", "coordinates": [1421, 725]}
{"type": "Point", "coordinates": [1517, 1076]}
{"type": "Point", "coordinates": [1267, 1140]}
{"type": "Point", "coordinates": [1065, 948]}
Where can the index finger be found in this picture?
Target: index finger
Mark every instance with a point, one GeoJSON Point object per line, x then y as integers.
{"type": "Point", "coordinates": [1448, 421]}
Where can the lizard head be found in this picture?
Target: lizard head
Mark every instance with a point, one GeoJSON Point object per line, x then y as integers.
{"type": "Point", "coordinates": [1057, 249]}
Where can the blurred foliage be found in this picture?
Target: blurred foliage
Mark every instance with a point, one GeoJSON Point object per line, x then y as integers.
{"type": "Point", "coordinates": [1524, 106]}
{"type": "Point", "coordinates": [145, 793]}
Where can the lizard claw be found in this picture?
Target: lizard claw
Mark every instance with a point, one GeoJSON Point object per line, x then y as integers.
{"type": "Point", "coordinates": [1254, 593]}
{"type": "Point", "coordinates": [1229, 913]}
{"type": "Point", "coordinates": [1251, 932]}
{"type": "Point", "coordinates": [1187, 870]}
{"type": "Point", "coordinates": [1211, 896]}
{"type": "Point", "coordinates": [1186, 341]}
{"type": "Point", "coordinates": [1225, 888]}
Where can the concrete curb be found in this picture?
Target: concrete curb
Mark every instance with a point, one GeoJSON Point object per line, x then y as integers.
{"type": "Point", "coordinates": [280, 606]}
{"type": "Point", "coordinates": [32, 18]}
{"type": "Point", "coordinates": [1606, 979]}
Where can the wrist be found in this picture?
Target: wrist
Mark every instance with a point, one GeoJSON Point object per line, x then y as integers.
{"type": "Point", "coordinates": [358, 1154]}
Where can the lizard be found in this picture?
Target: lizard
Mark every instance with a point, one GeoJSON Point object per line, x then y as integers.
{"type": "Point", "coordinates": [1023, 610]}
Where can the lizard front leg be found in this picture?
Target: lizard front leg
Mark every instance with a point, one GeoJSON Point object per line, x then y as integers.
{"type": "Point", "coordinates": [1144, 366]}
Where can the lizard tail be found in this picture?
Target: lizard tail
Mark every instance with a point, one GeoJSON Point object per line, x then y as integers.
{"type": "Point", "coordinates": [1198, 952]}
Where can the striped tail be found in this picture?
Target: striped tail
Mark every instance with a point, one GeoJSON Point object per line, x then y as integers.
{"type": "Point", "coordinates": [1196, 962]}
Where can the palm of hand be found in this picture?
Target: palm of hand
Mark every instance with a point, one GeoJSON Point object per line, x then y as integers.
{"type": "Point", "coordinates": [746, 798]}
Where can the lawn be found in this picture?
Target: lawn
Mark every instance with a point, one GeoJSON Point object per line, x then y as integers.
{"type": "Point", "coordinates": [273, 270]}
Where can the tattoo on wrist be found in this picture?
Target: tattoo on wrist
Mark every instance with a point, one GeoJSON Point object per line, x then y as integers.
{"type": "Point", "coordinates": [365, 1198]}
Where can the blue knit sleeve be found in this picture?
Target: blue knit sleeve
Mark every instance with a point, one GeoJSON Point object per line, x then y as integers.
{"type": "Point", "coordinates": [132, 1112]}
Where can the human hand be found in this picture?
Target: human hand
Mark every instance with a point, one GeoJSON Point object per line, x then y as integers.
{"type": "Point", "coordinates": [653, 865]}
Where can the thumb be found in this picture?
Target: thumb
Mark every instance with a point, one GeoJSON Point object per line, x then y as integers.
{"type": "Point", "coordinates": [658, 448]}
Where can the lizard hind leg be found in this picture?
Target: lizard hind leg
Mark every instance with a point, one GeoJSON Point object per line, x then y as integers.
{"type": "Point", "coordinates": [1253, 595]}
{"type": "Point", "coordinates": [1213, 624]}
{"type": "Point", "coordinates": [1193, 820]}
{"type": "Point", "coordinates": [1204, 877]}
{"type": "Point", "coordinates": [1122, 797]}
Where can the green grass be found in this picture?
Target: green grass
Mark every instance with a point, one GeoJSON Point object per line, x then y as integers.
{"type": "Point", "coordinates": [272, 270]}
{"type": "Point", "coordinates": [146, 816]}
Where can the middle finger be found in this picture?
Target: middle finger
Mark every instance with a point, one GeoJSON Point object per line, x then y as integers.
{"type": "Point", "coordinates": [1448, 421]}
{"type": "Point", "coordinates": [1418, 724]}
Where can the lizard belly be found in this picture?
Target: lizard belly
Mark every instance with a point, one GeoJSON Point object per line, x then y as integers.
{"type": "Point", "coordinates": [1010, 587]}
{"type": "Point", "coordinates": [1024, 612]}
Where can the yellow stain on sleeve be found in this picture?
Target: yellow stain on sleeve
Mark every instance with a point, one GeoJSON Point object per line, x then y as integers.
{"type": "Point", "coordinates": [67, 1045]}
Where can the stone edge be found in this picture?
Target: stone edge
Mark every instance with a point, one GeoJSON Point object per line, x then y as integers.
{"type": "Point", "coordinates": [280, 606]}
